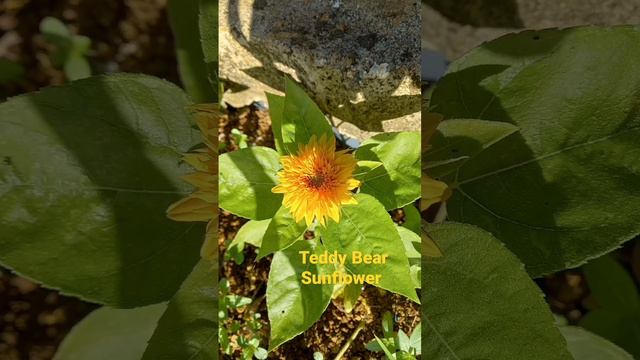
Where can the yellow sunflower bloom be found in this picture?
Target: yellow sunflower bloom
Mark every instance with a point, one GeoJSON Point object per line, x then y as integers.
{"type": "Point", "coordinates": [202, 205]}
{"type": "Point", "coordinates": [317, 181]}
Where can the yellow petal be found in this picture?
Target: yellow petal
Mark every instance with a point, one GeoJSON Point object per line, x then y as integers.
{"type": "Point", "coordinates": [352, 184]}
{"type": "Point", "coordinates": [201, 180]}
{"type": "Point", "coordinates": [429, 247]}
{"type": "Point", "coordinates": [209, 250]}
{"type": "Point", "coordinates": [192, 208]}
{"type": "Point", "coordinates": [433, 192]}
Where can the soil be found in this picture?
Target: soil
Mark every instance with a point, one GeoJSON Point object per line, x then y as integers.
{"type": "Point", "coordinates": [34, 320]}
{"type": "Point", "coordinates": [126, 36]}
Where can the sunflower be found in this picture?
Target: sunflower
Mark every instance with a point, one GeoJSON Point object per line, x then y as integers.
{"type": "Point", "coordinates": [202, 204]}
{"type": "Point", "coordinates": [317, 181]}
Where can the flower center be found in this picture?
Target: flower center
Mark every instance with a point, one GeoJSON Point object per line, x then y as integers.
{"type": "Point", "coordinates": [315, 181]}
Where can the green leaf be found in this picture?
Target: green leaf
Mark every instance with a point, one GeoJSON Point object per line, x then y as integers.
{"type": "Point", "coordinates": [54, 28]}
{"type": "Point", "coordinates": [404, 343]}
{"type": "Point", "coordinates": [301, 118]}
{"type": "Point", "coordinates": [261, 353]}
{"type": "Point", "coordinates": [69, 49]}
{"type": "Point", "coordinates": [397, 182]}
{"type": "Point", "coordinates": [188, 328]}
{"type": "Point", "coordinates": [612, 286]}
{"type": "Point", "coordinates": [184, 20]}
{"type": "Point", "coordinates": [373, 345]}
{"type": "Point", "coordinates": [283, 230]}
{"type": "Point", "coordinates": [386, 351]}
{"type": "Point", "coordinates": [108, 334]}
{"type": "Point", "coordinates": [76, 68]}
{"type": "Point", "coordinates": [412, 219]}
{"type": "Point", "coordinates": [208, 23]}
{"type": "Point", "coordinates": [350, 295]}
{"type": "Point", "coordinates": [411, 242]}
{"type": "Point", "coordinates": [621, 328]}
{"type": "Point", "coordinates": [415, 340]}
{"type": "Point", "coordinates": [387, 325]}
{"type": "Point", "coordinates": [293, 306]}
{"type": "Point", "coordinates": [276, 112]}
{"type": "Point", "coordinates": [458, 140]}
{"type": "Point", "coordinates": [89, 170]}
{"type": "Point", "coordinates": [566, 187]}
{"type": "Point", "coordinates": [587, 346]}
{"type": "Point", "coordinates": [80, 45]}
{"type": "Point", "coordinates": [368, 228]}
{"type": "Point", "coordinates": [479, 303]}
{"type": "Point", "coordinates": [246, 178]}
{"type": "Point", "coordinates": [412, 245]}
{"type": "Point", "coordinates": [250, 233]}
{"type": "Point", "coordinates": [236, 301]}
{"type": "Point", "coordinates": [364, 167]}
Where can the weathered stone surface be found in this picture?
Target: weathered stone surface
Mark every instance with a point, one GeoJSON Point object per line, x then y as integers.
{"type": "Point", "coordinates": [359, 60]}
{"type": "Point", "coordinates": [454, 27]}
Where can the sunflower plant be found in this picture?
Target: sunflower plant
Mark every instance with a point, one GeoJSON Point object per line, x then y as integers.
{"type": "Point", "coordinates": [306, 198]}
{"type": "Point", "coordinates": [531, 166]}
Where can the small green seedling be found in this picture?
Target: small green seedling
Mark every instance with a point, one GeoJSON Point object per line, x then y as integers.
{"type": "Point", "coordinates": [70, 50]}
{"type": "Point", "coordinates": [243, 333]}
{"type": "Point", "coordinates": [396, 346]}
{"type": "Point", "coordinates": [240, 138]}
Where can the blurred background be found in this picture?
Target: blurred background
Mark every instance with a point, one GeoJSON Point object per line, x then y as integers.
{"type": "Point", "coordinates": [452, 28]}
{"type": "Point", "coordinates": [49, 42]}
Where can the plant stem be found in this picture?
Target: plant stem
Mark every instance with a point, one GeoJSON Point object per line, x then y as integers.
{"type": "Point", "coordinates": [349, 341]}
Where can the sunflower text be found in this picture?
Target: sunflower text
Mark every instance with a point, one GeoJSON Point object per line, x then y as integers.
{"type": "Point", "coordinates": [341, 277]}
{"type": "Point", "coordinates": [357, 257]}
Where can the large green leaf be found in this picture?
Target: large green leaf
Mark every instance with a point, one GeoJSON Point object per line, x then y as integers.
{"type": "Point", "coordinates": [587, 346]}
{"type": "Point", "coordinates": [246, 178]}
{"type": "Point", "coordinates": [367, 228]}
{"type": "Point", "coordinates": [397, 182]}
{"type": "Point", "coordinates": [301, 118]}
{"type": "Point", "coordinates": [293, 306]}
{"type": "Point", "coordinates": [188, 329]}
{"type": "Point", "coordinates": [88, 171]}
{"type": "Point", "coordinates": [479, 303]}
{"type": "Point", "coordinates": [283, 230]}
{"type": "Point", "coordinates": [108, 334]}
{"type": "Point", "coordinates": [566, 187]}
{"type": "Point", "coordinates": [184, 18]}
{"type": "Point", "coordinates": [457, 140]}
